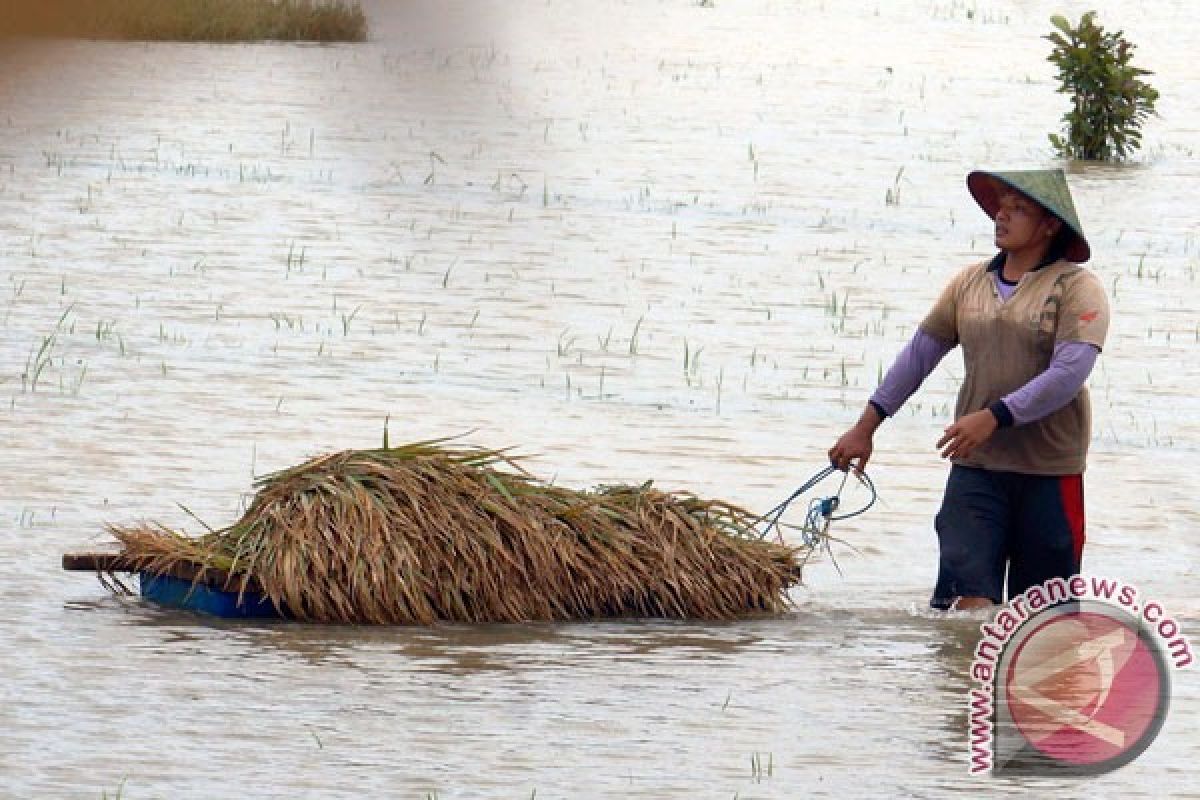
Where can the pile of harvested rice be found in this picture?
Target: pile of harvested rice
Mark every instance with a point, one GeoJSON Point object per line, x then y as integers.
{"type": "Point", "coordinates": [427, 533]}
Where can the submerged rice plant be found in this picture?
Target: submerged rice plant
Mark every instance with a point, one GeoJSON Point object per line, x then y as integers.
{"type": "Point", "coordinates": [192, 20]}
{"type": "Point", "coordinates": [427, 532]}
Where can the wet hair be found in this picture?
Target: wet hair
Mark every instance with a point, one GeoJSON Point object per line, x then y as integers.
{"type": "Point", "coordinates": [1060, 243]}
{"type": "Point", "coordinates": [1062, 240]}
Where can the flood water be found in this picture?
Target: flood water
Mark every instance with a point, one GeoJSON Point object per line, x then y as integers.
{"type": "Point", "coordinates": [633, 241]}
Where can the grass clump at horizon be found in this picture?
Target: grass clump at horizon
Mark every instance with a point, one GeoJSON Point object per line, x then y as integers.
{"type": "Point", "coordinates": [427, 533]}
{"type": "Point", "coordinates": [192, 20]}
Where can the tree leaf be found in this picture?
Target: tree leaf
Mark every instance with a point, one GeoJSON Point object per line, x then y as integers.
{"type": "Point", "coordinates": [1061, 22]}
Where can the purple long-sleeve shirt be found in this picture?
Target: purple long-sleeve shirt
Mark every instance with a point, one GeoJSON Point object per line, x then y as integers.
{"type": "Point", "coordinates": [1048, 391]}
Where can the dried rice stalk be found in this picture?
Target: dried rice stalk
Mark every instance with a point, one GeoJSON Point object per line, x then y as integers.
{"type": "Point", "coordinates": [426, 533]}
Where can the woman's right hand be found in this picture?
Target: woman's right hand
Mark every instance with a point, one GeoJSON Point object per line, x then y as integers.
{"type": "Point", "coordinates": [852, 449]}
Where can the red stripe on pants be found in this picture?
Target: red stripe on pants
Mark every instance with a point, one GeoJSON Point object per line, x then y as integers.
{"type": "Point", "coordinates": [1070, 488]}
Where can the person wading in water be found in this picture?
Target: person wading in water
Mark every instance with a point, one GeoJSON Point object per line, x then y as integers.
{"type": "Point", "coordinates": [1031, 322]}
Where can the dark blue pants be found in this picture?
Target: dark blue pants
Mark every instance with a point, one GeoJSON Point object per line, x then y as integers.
{"type": "Point", "coordinates": [1031, 525]}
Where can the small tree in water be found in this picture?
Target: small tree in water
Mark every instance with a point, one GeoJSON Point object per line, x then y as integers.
{"type": "Point", "coordinates": [1109, 99]}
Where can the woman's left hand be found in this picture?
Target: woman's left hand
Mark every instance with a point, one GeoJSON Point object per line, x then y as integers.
{"type": "Point", "coordinates": [967, 433]}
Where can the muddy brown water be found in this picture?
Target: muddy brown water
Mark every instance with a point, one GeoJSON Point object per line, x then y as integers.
{"type": "Point", "coordinates": [635, 241]}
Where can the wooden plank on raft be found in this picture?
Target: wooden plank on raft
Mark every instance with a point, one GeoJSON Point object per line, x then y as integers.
{"type": "Point", "coordinates": [97, 562]}
{"type": "Point", "coordinates": [184, 570]}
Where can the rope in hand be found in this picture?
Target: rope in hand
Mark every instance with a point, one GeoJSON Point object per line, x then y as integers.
{"type": "Point", "coordinates": [821, 510]}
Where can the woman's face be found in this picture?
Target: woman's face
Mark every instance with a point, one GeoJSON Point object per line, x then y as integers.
{"type": "Point", "coordinates": [1022, 224]}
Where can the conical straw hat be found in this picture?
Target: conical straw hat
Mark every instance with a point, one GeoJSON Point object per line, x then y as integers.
{"type": "Point", "coordinates": [1046, 187]}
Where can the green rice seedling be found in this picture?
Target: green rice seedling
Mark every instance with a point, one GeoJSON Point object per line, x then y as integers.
{"type": "Point", "coordinates": [36, 363]}
{"type": "Point", "coordinates": [79, 380]}
{"type": "Point", "coordinates": [434, 160]}
{"type": "Point", "coordinates": [120, 793]}
{"type": "Point", "coordinates": [760, 769]}
{"type": "Point", "coordinates": [348, 318]}
{"type": "Point", "coordinates": [565, 342]}
{"type": "Point", "coordinates": [295, 261]}
{"type": "Point", "coordinates": [693, 365]}
{"type": "Point", "coordinates": [892, 197]}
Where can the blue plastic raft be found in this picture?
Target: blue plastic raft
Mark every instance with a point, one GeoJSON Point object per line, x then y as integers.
{"type": "Point", "coordinates": [167, 590]}
{"type": "Point", "coordinates": [191, 587]}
